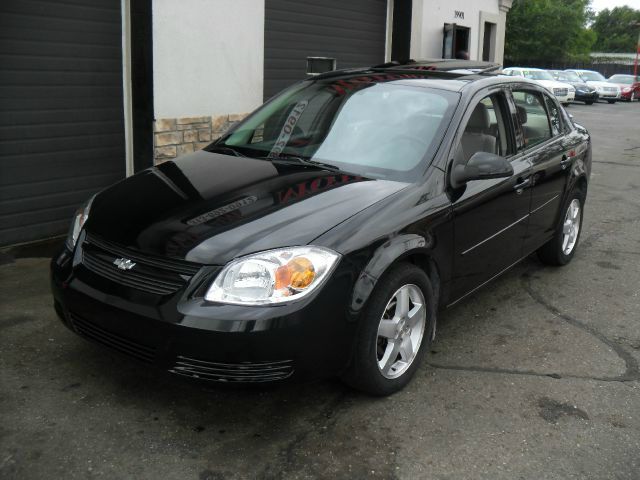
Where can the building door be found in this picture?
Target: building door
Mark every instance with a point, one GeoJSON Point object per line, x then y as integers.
{"type": "Point", "coordinates": [401, 32]}
{"type": "Point", "coordinates": [353, 33]}
{"type": "Point", "coordinates": [61, 123]}
{"type": "Point", "coordinates": [489, 42]}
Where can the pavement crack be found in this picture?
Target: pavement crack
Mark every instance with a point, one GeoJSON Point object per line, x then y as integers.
{"type": "Point", "coordinates": [621, 164]}
{"type": "Point", "coordinates": [530, 373]}
{"type": "Point", "coordinates": [632, 369]}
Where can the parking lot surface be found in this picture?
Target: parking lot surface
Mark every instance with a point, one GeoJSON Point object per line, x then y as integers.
{"type": "Point", "coordinates": [536, 376]}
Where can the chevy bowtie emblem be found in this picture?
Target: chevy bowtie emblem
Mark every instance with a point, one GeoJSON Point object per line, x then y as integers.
{"type": "Point", "coordinates": [124, 263]}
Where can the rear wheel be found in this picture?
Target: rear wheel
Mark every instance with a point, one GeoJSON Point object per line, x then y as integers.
{"type": "Point", "coordinates": [395, 331]}
{"type": "Point", "coordinates": [588, 102]}
{"type": "Point", "coordinates": [561, 248]}
{"type": "Point", "coordinates": [611, 101]}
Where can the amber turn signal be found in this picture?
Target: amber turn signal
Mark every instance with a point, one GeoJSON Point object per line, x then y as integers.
{"type": "Point", "coordinates": [298, 273]}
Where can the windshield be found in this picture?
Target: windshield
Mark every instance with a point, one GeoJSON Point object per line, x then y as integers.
{"type": "Point", "coordinates": [537, 75]}
{"type": "Point", "coordinates": [592, 77]}
{"type": "Point", "coordinates": [361, 125]}
{"type": "Point", "coordinates": [624, 79]}
{"type": "Point", "coordinates": [566, 77]}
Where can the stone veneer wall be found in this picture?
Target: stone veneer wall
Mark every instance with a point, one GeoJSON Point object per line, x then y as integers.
{"type": "Point", "coordinates": [178, 136]}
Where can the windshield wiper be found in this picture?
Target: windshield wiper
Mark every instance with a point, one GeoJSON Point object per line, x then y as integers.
{"type": "Point", "coordinates": [224, 148]}
{"type": "Point", "coordinates": [293, 160]}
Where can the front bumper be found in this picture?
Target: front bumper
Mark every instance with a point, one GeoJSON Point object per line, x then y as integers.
{"type": "Point", "coordinates": [183, 334]}
{"type": "Point", "coordinates": [587, 96]}
{"type": "Point", "coordinates": [626, 95]}
{"type": "Point", "coordinates": [609, 95]}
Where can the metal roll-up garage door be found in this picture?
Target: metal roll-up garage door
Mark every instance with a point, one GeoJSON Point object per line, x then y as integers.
{"type": "Point", "coordinates": [61, 114]}
{"type": "Point", "coordinates": [352, 32]}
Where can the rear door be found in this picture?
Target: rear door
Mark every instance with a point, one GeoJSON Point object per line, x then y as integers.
{"type": "Point", "coordinates": [490, 216]}
{"type": "Point", "coordinates": [550, 152]}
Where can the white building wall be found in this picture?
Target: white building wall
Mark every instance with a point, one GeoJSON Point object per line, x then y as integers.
{"type": "Point", "coordinates": [208, 56]}
{"type": "Point", "coordinates": [429, 17]}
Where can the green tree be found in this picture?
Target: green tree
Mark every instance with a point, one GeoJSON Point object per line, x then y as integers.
{"type": "Point", "coordinates": [617, 30]}
{"type": "Point", "coordinates": [547, 30]}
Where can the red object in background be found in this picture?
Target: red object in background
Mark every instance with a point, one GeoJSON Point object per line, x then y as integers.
{"type": "Point", "coordinates": [626, 90]}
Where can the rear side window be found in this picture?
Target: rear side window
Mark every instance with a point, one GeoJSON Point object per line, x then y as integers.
{"type": "Point", "coordinates": [533, 117]}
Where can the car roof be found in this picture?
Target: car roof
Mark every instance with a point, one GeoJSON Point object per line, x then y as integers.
{"type": "Point", "coordinates": [443, 74]}
{"type": "Point", "coordinates": [525, 68]}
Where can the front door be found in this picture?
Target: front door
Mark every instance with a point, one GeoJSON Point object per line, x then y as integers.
{"type": "Point", "coordinates": [490, 216]}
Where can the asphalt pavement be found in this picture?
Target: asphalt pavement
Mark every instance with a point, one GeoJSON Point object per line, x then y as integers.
{"type": "Point", "coordinates": [536, 376]}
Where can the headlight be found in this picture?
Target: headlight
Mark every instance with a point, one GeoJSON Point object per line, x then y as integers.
{"type": "Point", "coordinates": [79, 219]}
{"type": "Point", "coordinates": [626, 89]}
{"type": "Point", "coordinates": [273, 276]}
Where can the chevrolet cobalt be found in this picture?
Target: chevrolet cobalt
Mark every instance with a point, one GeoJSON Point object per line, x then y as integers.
{"type": "Point", "coordinates": [322, 234]}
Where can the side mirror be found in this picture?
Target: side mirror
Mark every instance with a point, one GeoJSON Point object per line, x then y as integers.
{"type": "Point", "coordinates": [481, 166]}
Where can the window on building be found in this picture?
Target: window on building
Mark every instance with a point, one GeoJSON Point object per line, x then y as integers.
{"type": "Point", "coordinates": [455, 42]}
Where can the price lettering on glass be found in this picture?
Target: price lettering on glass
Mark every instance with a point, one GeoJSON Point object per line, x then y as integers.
{"type": "Point", "coordinates": [287, 128]}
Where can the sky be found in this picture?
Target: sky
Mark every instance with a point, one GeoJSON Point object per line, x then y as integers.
{"type": "Point", "coordinates": [598, 5]}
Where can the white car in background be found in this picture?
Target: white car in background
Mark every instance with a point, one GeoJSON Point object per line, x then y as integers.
{"type": "Point", "coordinates": [606, 91]}
{"type": "Point", "coordinates": [564, 92]}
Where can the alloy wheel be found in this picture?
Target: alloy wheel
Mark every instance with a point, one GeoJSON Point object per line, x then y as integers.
{"type": "Point", "coordinates": [571, 227]}
{"type": "Point", "coordinates": [400, 331]}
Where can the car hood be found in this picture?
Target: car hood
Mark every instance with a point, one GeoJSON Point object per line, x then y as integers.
{"type": "Point", "coordinates": [581, 85]}
{"type": "Point", "coordinates": [594, 83]}
{"type": "Point", "coordinates": [210, 208]}
{"type": "Point", "coordinates": [551, 84]}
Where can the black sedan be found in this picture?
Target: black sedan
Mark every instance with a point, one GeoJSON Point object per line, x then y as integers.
{"type": "Point", "coordinates": [584, 93]}
{"type": "Point", "coordinates": [322, 234]}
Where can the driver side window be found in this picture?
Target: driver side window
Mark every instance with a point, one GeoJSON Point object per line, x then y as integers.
{"type": "Point", "coordinates": [485, 130]}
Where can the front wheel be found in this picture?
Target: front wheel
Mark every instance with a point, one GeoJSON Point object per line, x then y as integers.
{"type": "Point", "coordinates": [395, 331]}
{"type": "Point", "coordinates": [588, 102]}
{"type": "Point", "coordinates": [611, 101]}
{"type": "Point", "coordinates": [561, 248]}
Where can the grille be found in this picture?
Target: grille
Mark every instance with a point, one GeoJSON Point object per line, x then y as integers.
{"type": "Point", "coordinates": [151, 274]}
{"type": "Point", "coordinates": [246, 372]}
{"type": "Point", "coordinates": [560, 92]}
{"type": "Point", "coordinates": [91, 331]}
{"type": "Point", "coordinates": [610, 89]}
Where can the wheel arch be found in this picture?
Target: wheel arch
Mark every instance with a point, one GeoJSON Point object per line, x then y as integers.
{"type": "Point", "coordinates": [410, 248]}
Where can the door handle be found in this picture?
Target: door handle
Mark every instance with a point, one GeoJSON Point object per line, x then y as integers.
{"type": "Point", "coordinates": [522, 184]}
{"type": "Point", "coordinates": [566, 159]}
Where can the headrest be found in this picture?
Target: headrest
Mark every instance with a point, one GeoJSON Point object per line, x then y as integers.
{"type": "Point", "coordinates": [479, 119]}
{"type": "Point", "coordinates": [522, 114]}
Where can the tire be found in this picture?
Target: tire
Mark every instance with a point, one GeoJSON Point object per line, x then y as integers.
{"type": "Point", "coordinates": [556, 251]}
{"type": "Point", "coordinates": [611, 101]}
{"type": "Point", "coordinates": [372, 368]}
{"type": "Point", "coordinates": [588, 102]}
